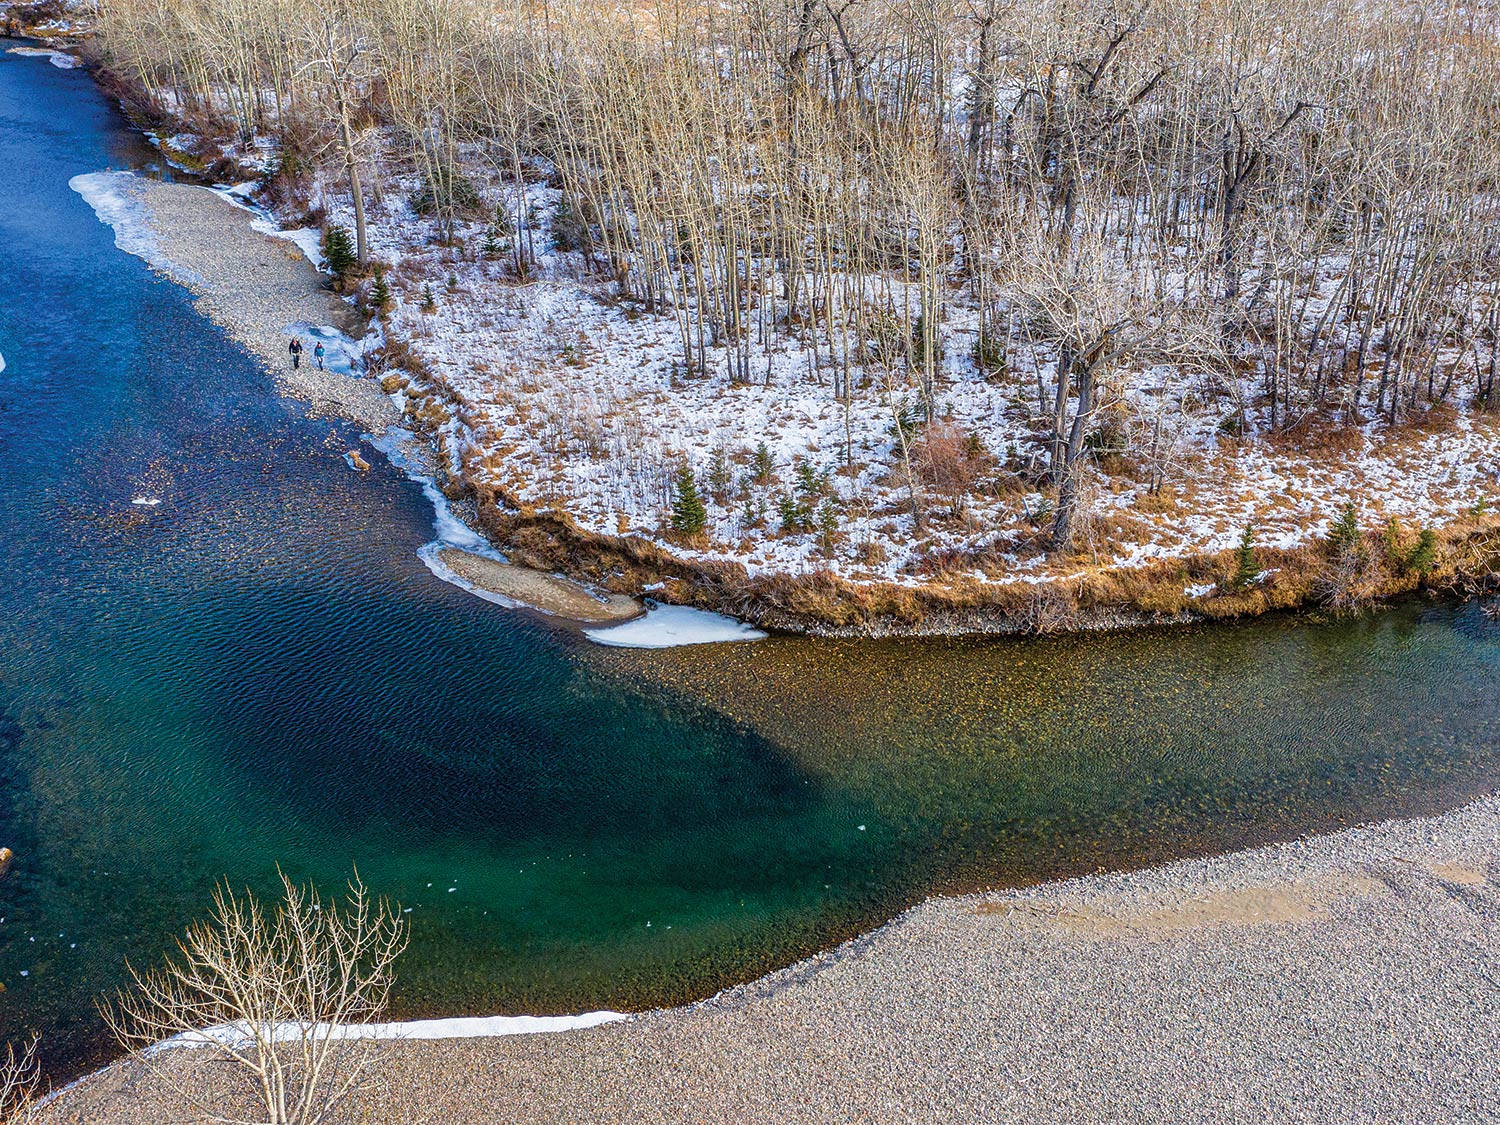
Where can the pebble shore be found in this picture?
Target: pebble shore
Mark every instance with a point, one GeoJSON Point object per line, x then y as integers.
{"type": "Point", "coordinates": [1347, 978]}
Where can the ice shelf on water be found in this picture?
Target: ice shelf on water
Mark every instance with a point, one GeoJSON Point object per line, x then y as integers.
{"type": "Point", "coordinates": [450, 531]}
{"type": "Point", "coordinates": [668, 626]}
{"type": "Point", "coordinates": [116, 202]}
{"type": "Point", "coordinates": [57, 58]}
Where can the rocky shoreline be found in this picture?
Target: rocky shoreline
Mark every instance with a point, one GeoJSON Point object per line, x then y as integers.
{"type": "Point", "coordinates": [1348, 977]}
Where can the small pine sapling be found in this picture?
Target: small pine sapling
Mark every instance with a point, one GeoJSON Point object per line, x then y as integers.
{"type": "Point", "coordinates": [1246, 570]}
{"type": "Point", "coordinates": [380, 296]}
{"type": "Point", "coordinates": [429, 302]}
{"type": "Point", "coordinates": [810, 482]}
{"type": "Point", "coordinates": [1343, 533]}
{"type": "Point", "coordinates": [1422, 558]}
{"type": "Point", "coordinates": [720, 475]}
{"type": "Point", "coordinates": [338, 250]}
{"type": "Point", "coordinates": [828, 525]}
{"type": "Point", "coordinates": [763, 465]}
{"type": "Point", "coordinates": [689, 516]}
{"type": "Point", "coordinates": [795, 515]}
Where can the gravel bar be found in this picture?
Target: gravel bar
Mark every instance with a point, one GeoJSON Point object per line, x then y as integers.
{"type": "Point", "coordinates": [1345, 978]}
{"type": "Point", "coordinates": [256, 286]}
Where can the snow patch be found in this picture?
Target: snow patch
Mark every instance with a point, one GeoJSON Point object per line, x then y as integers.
{"type": "Point", "coordinates": [308, 239]}
{"type": "Point", "coordinates": [669, 626]}
{"type": "Point", "coordinates": [463, 1027]}
{"type": "Point", "coordinates": [146, 501]}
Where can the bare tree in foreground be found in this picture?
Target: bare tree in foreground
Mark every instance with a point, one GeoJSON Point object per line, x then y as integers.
{"type": "Point", "coordinates": [20, 1074]}
{"type": "Point", "coordinates": [272, 992]}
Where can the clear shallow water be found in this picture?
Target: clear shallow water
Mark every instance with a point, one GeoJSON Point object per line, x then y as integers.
{"type": "Point", "coordinates": [261, 670]}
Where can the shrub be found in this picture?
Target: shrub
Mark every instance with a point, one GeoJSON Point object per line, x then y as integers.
{"type": "Point", "coordinates": [989, 354]}
{"type": "Point", "coordinates": [429, 302]}
{"type": "Point", "coordinates": [689, 516]}
{"type": "Point", "coordinates": [448, 192]}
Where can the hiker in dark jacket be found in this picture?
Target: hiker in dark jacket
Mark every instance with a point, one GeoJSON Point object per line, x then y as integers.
{"type": "Point", "coordinates": [295, 349]}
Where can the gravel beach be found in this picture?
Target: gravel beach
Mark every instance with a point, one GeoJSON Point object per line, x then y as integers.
{"type": "Point", "coordinates": [257, 286]}
{"type": "Point", "coordinates": [1347, 978]}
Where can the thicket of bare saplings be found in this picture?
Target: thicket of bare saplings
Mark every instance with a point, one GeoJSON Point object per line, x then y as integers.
{"type": "Point", "coordinates": [1288, 207]}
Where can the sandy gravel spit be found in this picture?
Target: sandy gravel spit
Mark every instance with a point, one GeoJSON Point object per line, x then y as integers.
{"type": "Point", "coordinates": [550, 593]}
{"type": "Point", "coordinates": [1348, 978]}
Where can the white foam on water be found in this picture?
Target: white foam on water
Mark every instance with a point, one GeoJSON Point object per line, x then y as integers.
{"type": "Point", "coordinates": [461, 1027]}
{"type": "Point", "coordinates": [2, 363]}
{"type": "Point", "coordinates": [118, 205]}
{"type": "Point", "coordinates": [146, 501]}
{"type": "Point", "coordinates": [669, 626]}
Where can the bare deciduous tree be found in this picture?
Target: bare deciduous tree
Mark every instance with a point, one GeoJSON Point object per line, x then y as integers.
{"type": "Point", "coordinates": [271, 991]}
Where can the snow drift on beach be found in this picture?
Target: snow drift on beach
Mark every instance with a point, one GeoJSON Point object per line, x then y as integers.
{"type": "Point", "coordinates": [668, 626]}
{"type": "Point", "coordinates": [118, 205]}
{"type": "Point", "coordinates": [308, 239]}
{"type": "Point", "coordinates": [462, 1027]}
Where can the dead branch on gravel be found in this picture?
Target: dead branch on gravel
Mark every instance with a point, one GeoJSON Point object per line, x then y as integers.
{"type": "Point", "coordinates": [20, 1076]}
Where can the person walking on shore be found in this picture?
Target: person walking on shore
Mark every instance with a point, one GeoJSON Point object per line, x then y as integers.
{"type": "Point", "coordinates": [318, 355]}
{"type": "Point", "coordinates": [295, 350]}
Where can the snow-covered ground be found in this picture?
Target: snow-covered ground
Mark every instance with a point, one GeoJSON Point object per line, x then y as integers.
{"type": "Point", "coordinates": [572, 401]}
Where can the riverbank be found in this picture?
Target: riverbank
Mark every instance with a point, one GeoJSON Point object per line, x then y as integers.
{"type": "Point", "coordinates": [261, 287]}
{"type": "Point", "coordinates": [1343, 978]}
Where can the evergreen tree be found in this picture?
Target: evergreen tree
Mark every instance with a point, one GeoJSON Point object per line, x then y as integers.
{"type": "Point", "coordinates": [380, 295]}
{"type": "Point", "coordinates": [689, 516]}
{"type": "Point", "coordinates": [763, 464]}
{"type": "Point", "coordinates": [1343, 533]}
{"type": "Point", "coordinates": [1246, 571]}
{"type": "Point", "coordinates": [338, 250]}
{"type": "Point", "coordinates": [1423, 556]}
{"type": "Point", "coordinates": [720, 476]}
{"type": "Point", "coordinates": [429, 302]}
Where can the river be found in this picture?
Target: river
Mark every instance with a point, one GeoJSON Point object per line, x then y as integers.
{"type": "Point", "coordinates": [258, 669]}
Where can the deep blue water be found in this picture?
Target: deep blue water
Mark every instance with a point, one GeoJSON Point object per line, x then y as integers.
{"type": "Point", "coordinates": [261, 671]}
